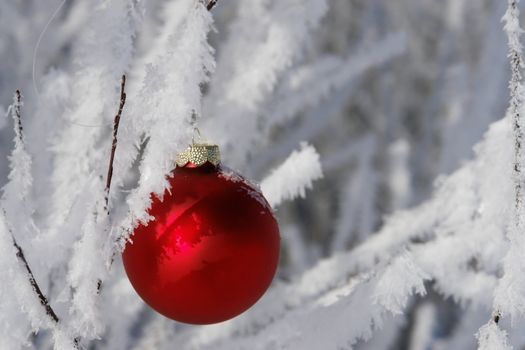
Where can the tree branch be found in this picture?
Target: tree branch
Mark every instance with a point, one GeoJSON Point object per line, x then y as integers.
{"type": "Point", "coordinates": [18, 121]}
{"type": "Point", "coordinates": [43, 300]}
{"type": "Point", "coordinates": [516, 101]}
{"type": "Point", "coordinates": [19, 251]}
{"type": "Point", "coordinates": [513, 30]}
{"type": "Point", "coordinates": [211, 4]}
{"type": "Point", "coordinates": [34, 285]}
{"type": "Point", "coordinates": [116, 123]}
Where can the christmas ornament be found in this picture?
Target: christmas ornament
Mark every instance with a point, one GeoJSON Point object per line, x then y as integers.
{"type": "Point", "coordinates": [212, 247]}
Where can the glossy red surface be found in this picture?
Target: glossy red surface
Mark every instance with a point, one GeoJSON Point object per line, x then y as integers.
{"type": "Point", "coordinates": [211, 251]}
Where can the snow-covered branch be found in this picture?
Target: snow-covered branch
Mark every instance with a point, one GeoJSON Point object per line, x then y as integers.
{"type": "Point", "coordinates": [168, 98]}
{"type": "Point", "coordinates": [293, 177]}
{"type": "Point", "coordinates": [15, 198]}
{"type": "Point", "coordinates": [116, 123]}
{"type": "Point", "coordinates": [509, 298]}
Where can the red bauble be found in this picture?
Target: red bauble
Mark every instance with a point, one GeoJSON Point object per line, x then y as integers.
{"type": "Point", "coordinates": [211, 250]}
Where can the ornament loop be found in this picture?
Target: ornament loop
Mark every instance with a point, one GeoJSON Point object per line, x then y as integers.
{"type": "Point", "coordinates": [198, 132]}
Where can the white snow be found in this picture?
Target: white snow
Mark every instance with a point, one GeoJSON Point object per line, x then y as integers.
{"type": "Point", "coordinates": [405, 228]}
{"type": "Point", "coordinates": [293, 177]}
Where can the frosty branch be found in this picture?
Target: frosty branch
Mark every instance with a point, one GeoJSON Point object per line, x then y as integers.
{"type": "Point", "coordinates": [116, 123]}
{"type": "Point", "coordinates": [19, 251]}
{"type": "Point", "coordinates": [514, 231]}
{"type": "Point", "coordinates": [19, 144]}
{"type": "Point", "coordinates": [516, 101]}
{"type": "Point", "coordinates": [43, 300]}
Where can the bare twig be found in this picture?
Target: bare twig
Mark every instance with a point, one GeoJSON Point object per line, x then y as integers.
{"type": "Point", "coordinates": [36, 288]}
{"type": "Point", "coordinates": [43, 300]}
{"type": "Point", "coordinates": [18, 122]}
{"type": "Point", "coordinates": [211, 4]}
{"type": "Point", "coordinates": [116, 123]}
{"type": "Point", "coordinates": [34, 284]}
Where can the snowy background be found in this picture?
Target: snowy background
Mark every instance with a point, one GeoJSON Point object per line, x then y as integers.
{"type": "Point", "coordinates": [380, 131]}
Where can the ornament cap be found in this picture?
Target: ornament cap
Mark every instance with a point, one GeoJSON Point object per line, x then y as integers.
{"type": "Point", "coordinates": [199, 154]}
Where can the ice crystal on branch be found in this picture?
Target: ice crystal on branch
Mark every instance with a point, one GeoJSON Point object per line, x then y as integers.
{"type": "Point", "coordinates": [510, 294]}
{"type": "Point", "coordinates": [293, 177]}
{"type": "Point", "coordinates": [491, 337]}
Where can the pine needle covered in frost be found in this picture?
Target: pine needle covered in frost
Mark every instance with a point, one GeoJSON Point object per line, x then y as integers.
{"type": "Point", "coordinates": [293, 177]}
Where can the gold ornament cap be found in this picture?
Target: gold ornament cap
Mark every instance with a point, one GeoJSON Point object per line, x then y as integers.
{"type": "Point", "coordinates": [199, 154]}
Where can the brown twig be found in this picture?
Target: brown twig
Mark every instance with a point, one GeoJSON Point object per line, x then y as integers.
{"type": "Point", "coordinates": [17, 107]}
{"type": "Point", "coordinates": [43, 300]}
{"type": "Point", "coordinates": [496, 318]}
{"type": "Point", "coordinates": [116, 123]}
{"type": "Point", "coordinates": [34, 284]}
{"type": "Point", "coordinates": [211, 4]}
{"type": "Point", "coordinates": [36, 288]}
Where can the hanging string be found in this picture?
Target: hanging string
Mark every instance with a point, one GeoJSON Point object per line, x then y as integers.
{"type": "Point", "coordinates": [37, 46]}
{"type": "Point", "coordinates": [34, 64]}
{"type": "Point", "coordinates": [209, 5]}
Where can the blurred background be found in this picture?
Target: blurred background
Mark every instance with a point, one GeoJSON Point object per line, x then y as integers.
{"type": "Point", "coordinates": [392, 94]}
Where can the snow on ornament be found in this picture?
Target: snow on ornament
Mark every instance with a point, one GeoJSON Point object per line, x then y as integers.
{"type": "Point", "coordinates": [212, 248]}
